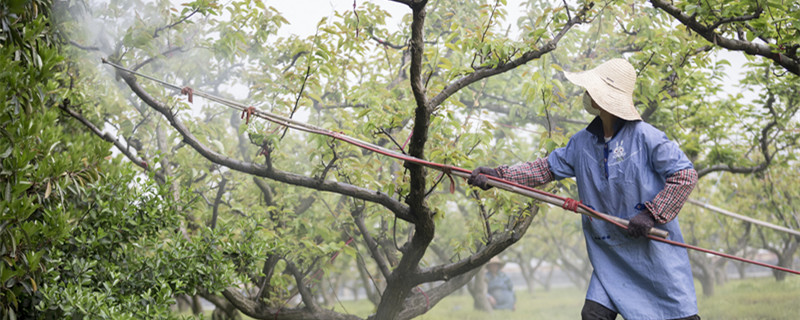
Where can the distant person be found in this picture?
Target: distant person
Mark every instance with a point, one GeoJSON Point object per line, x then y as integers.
{"type": "Point", "coordinates": [499, 287]}
{"type": "Point", "coordinates": [626, 168]}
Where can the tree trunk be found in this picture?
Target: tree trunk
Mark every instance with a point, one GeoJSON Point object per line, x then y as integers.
{"type": "Point", "coordinates": [547, 282]}
{"type": "Point", "coordinates": [785, 259]}
{"type": "Point", "coordinates": [720, 274]}
{"type": "Point", "coordinates": [530, 282]}
{"type": "Point", "coordinates": [741, 268]}
{"type": "Point", "coordinates": [197, 307]}
{"type": "Point", "coordinates": [182, 303]}
{"type": "Point", "coordinates": [528, 272]}
{"type": "Point", "coordinates": [707, 282]}
{"type": "Point", "coordinates": [478, 290]}
{"type": "Point", "coordinates": [703, 272]}
{"type": "Point", "coordinates": [329, 295]}
{"type": "Point", "coordinates": [222, 314]}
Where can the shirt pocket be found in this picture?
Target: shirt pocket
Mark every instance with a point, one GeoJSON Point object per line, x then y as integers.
{"type": "Point", "coordinates": [624, 176]}
{"type": "Point", "coordinates": [605, 234]}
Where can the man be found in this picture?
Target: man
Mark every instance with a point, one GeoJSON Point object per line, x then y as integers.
{"type": "Point", "coordinates": [499, 288]}
{"type": "Point", "coordinates": [627, 168]}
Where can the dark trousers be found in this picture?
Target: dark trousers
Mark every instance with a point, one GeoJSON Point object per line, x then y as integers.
{"type": "Point", "coordinates": [595, 311]}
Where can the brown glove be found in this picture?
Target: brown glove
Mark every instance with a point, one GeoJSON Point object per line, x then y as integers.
{"type": "Point", "coordinates": [641, 223]}
{"type": "Point", "coordinates": [478, 177]}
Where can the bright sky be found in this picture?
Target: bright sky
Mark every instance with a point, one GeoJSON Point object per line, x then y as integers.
{"type": "Point", "coordinates": [303, 15]}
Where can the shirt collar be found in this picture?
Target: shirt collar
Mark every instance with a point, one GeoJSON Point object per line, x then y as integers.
{"type": "Point", "coordinates": [596, 128]}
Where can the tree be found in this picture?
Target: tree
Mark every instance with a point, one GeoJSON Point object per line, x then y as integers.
{"type": "Point", "coordinates": [773, 200]}
{"type": "Point", "coordinates": [452, 86]}
{"type": "Point", "coordinates": [312, 79]}
{"type": "Point", "coordinates": [81, 231]}
{"type": "Point", "coordinates": [766, 29]}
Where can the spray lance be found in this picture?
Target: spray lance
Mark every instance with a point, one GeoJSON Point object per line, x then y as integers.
{"type": "Point", "coordinates": [566, 203]}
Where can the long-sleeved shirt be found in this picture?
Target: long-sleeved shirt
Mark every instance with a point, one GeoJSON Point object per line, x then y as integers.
{"type": "Point", "coordinates": [636, 169]}
{"type": "Point", "coordinates": [664, 207]}
{"type": "Point", "coordinates": [500, 288]}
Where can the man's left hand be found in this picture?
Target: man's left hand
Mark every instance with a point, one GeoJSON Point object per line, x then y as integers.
{"type": "Point", "coordinates": [641, 223]}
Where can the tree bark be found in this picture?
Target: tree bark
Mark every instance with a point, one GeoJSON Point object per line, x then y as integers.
{"type": "Point", "coordinates": [704, 273]}
{"type": "Point", "coordinates": [478, 290]}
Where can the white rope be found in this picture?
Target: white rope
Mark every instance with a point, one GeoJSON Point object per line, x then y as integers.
{"type": "Point", "coordinates": [743, 218]}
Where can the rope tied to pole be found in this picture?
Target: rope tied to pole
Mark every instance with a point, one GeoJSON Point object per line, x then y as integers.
{"type": "Point", "coordinates": [448, 171]}
{"type": "Point", "coordinates": [571, 204]}
{"type": "Point", "coordinates": [248, 112]}
{"type": "Point", "coordinates": [189, 92]}
{"type": "Point", "coordinates": [654, 233]}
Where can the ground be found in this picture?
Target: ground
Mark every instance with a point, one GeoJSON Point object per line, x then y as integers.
{"type": "Point", "coordinates": [757, 298]}
{"type": "Point", "coordinates": [753, 298]}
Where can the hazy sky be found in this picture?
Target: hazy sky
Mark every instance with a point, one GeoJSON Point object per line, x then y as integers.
{"type": "Point", "coordinates": [303, 15]}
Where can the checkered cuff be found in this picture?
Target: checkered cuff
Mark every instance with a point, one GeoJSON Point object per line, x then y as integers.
{"type": "Point", "coordinates": [667, 203]}
{"type": "Point", "coordinates": [531, 173]}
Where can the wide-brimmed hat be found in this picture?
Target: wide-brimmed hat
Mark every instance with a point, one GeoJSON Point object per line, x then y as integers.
{"type": "Point", "coordinates": [496, 261]}
{"type": "Point", "coordinates": [611, 87]}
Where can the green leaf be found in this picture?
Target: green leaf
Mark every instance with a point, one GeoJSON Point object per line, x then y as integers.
{"type": "Point", "coordinates": [219, 146]}
{"type": "Point", "coordinates": [6, 153]}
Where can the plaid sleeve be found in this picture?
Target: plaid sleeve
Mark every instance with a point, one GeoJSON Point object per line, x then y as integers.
{"type": "Point", "coordinates": [667, 203]}
{"type": "Point", "coordinates": [531, 173]}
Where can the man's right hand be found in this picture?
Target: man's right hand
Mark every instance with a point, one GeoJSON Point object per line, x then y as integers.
{"type": "Point", "coordinates": [478, 177]}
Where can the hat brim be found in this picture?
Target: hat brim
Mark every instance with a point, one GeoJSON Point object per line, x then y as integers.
{"type": "Point", "coordinates": [607, 97]}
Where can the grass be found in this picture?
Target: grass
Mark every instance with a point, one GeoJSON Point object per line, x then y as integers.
{"type": "Point", "coordinates": [561, 303]}
{"type": "Point", "coordinates": [758, 298]}
{"type": "Point", "coordinates": [755, 298]}
{"type": "Point", "coordinates": [762, 298]}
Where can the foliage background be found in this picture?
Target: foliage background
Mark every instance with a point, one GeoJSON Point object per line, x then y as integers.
{"type": "Point", "coordinates": [87, 231]}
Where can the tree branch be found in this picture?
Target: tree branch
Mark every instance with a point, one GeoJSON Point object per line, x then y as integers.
{"type": "Point", "coordinates": [499, 242]}
{"type": "Point", "coordinates": [420, 302]}
{"type": "Point", "coordinates": [736, 19]}
{"type": "Point", "coordinates": [482, 73]}
{"type": "Point", "coordinates": [124, 149]}
{"type": "Point", "coordinates": [708, 32]}
{"type": "Point", "coordinates": [265, 190]}
{"type": "Point", "coordinates": [169, 26]}
{"type": "Point", "coordinates": [217, 201]}
{"type": "Point", "coordinates": [372, 245]}
{"type": "Point", "coordinates": [385, 43]}
{"type": "Point", "coordinates": [763, 144]}
{"type": "Point", "coordinates": [417, 45]}
{"type": "Point", "coordinates": [305, 292]}
{"type": "Point", "coordinates": [259, 310]}
{"type": "Point", "coordinates": [80, 46]}
{"type": "Point", "coordinates": [405, 2]}
{"type": "Point", "coordinates": [396, 207]}
{"type": "Point", "coordinates": [153, 58]}
{"type": "Point", "coordinates": [268, 270]}
{"type": "Point", "coordinates": [219, 302]}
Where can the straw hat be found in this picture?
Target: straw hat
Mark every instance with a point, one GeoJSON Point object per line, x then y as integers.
{"type": "Point", "coordinates": [496, 260]}
{"type": "Point", "coordinates": [611, 87]}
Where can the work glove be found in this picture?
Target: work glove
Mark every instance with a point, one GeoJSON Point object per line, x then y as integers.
{"type": "Point", "coordinates": [478, 177]}
{"type": "Point", "coordinates": [641, 223]}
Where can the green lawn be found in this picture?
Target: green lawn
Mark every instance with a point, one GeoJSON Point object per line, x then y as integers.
{"type": "Point", "coordinates": [761, 298]}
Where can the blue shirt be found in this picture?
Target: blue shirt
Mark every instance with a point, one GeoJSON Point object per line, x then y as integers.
{"type": "Point", "coordinates": [500, 288]}
{"type": "Point", "coordinates": [638, 278]}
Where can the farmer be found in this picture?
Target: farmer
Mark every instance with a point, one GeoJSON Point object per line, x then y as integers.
{"type": "Point", "coordinates": [626, 168]}
{"type": "Point", "coordinates": [498, 286]}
